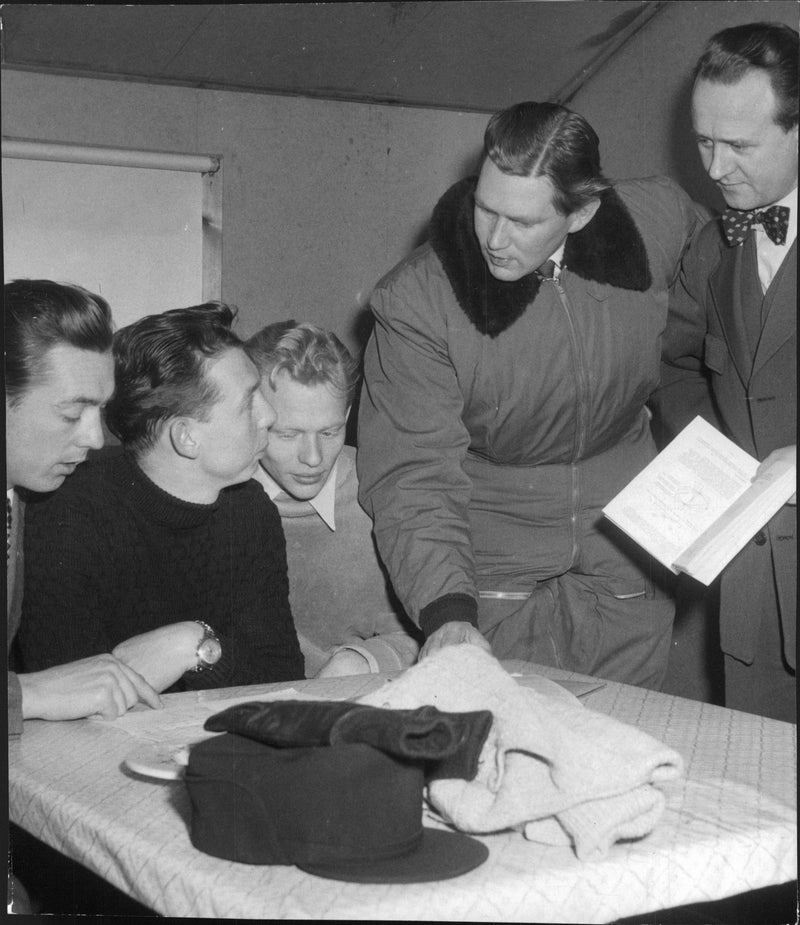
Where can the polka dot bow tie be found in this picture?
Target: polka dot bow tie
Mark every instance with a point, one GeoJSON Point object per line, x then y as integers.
{"type": "Point", "coordinates": [736, 224]}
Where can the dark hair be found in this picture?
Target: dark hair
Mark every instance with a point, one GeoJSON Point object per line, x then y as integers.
{"type": "Point", "coordinates": [39, 315]}
{"type": "Point", "coordinates": [160, 369]}
{"type": "Point", "coordinates": [547, 140]}
{"type": "Point", "coordinates": [768, 46]}
{"type": "Point", "coordinates": [307, 353]}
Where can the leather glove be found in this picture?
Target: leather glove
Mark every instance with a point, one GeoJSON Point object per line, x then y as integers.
{"type": "Point", "coordinates": [448, 743]}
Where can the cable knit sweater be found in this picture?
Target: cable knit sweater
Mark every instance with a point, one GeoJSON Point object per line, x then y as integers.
{"type": "Point", "coordinates": [110, 555]}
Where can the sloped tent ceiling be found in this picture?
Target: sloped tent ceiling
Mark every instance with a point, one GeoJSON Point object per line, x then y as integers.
{"type": "Point", "coordinates": [478, 55]}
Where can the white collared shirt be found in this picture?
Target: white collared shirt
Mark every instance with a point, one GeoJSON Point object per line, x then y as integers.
{"type": "Point", "coordinates": [324, 502]}
{"type": "Point", "coordinates": [557, 258]}
{"type": "Point", "coordinates": [771, 255]}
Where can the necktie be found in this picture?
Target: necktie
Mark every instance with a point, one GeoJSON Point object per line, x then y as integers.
{"type": "Point", "coordinates": [8, 528]}
{"type": "Point", "coordinates": [547, 270]}
{"type": "Point", "coordinates": [736, 224]}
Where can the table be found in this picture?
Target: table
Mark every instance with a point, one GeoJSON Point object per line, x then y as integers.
{"type": "Point", "coordinates": [729, 826]}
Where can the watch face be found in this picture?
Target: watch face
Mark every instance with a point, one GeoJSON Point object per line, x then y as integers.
{"type": "Point", "coordinates": [210, 651]}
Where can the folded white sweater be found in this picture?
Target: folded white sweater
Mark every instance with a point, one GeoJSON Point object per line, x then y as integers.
{"type": "Point", "coordinates": [552, 769]}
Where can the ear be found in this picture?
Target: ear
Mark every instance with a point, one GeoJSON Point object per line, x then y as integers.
{"type": "Point", "coordinates": [580, 218]}
{"type": "Point", "coordinates": [183, 438]}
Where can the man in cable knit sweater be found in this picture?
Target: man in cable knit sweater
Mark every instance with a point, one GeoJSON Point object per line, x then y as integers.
{"type": "Point", "coordinates": [347, 617]}
{"type": "Point", "coordinates": [166, 552]}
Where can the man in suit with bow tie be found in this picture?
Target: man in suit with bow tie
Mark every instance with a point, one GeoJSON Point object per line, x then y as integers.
{"type": "Point", "coordinates": [730, 348]}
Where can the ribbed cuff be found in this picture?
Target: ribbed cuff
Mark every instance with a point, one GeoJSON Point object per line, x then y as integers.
{"type": "Point", "coordinates": [448, 609]}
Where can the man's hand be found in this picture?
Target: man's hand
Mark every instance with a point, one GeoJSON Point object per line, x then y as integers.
{"type": "Point", "coordinates": [785, 456]}
{"type": "Point", "coordinates": [162, 656]}
{"type": "Point", "coordinates": [345, 662]}
{"type": "Point", "coordinates": [99, 685]}
{"type": "Point", "coordinates": [452, 634]}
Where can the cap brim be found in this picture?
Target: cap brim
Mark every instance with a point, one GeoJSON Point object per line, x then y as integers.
{"type": "Point", "coordinates": [441, 856]}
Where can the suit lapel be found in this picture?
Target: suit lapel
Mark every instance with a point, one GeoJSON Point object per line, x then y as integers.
{"type": "Point", "coordinates": [725, 285]}
{"type": "Point", "coordinates": [781, 321]}
{"type": "Point", "coordinates": [14, 560]}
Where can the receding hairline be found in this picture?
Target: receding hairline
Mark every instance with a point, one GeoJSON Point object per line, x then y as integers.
{"type": "Point", "coordinates": [43, 370]}
{"type": "Point", "coordinates": [735, 82]}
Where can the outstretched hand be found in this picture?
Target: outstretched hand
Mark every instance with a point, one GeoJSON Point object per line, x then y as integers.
{"type": "Point", "coordinates": [100, 685]}
{"type": "Point", "coordinates": [453, 634]}
{"type": "Point", "coordinates": [785, 456]}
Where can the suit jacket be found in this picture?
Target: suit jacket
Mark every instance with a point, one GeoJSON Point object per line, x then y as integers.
{"type": "Point", "coordinates": [711, 368]}
{"type": "Point", "coordinates": [14, 572]}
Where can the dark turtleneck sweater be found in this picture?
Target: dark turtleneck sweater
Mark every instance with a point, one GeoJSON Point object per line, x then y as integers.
{"type": "Point", "coordinates": [110, 555]}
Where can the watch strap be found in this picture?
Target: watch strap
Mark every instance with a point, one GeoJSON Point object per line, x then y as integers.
{"type": "Point", "coordinates": [208, 633]}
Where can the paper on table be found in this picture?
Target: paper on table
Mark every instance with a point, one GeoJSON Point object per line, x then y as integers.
{"type": "Point", "coordinates": [545, 685]}
{"type": "Point", "coordinates": [696, 505]}
{"type": "Point", "coordinates": [184, 721]}
{"type": "Point", "coordinates": [164, 737]}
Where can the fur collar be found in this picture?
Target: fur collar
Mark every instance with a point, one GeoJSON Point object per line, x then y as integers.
{"type": "Point", "coordinates": [608, 250]}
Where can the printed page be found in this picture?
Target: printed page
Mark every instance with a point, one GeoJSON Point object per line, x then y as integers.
{"type": "Point", "coordinates": [715, 548]}
{"type": "Point", "coordinates": [683, 491]}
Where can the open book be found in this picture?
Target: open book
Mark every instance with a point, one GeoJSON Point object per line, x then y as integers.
{"type": "Point", "coordinates": [696, 505]}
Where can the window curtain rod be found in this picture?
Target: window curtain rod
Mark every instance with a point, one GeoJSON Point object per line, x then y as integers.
{"type": "Point", "coordinates": [109, 157]}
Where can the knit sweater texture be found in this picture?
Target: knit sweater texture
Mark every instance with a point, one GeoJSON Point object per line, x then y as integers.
{"type": "Point", "coordinates": [339, 592]}
{"type": "Point", "coordinates": [110, 555]}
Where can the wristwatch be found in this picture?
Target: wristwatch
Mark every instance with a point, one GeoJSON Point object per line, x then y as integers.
{"type": "Point", "coordinates": [209, 649]}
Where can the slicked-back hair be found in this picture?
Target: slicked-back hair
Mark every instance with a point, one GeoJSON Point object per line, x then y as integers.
{"type": "Point", "coordinates": [768, 46]}
{"type": "Point", "coordinates": [40, 314]}
{"type": "Point", "coordinates": [308, 354]}
{"type": "Point", "coordinates": [547, 140]}
{"type": "Point", "coordinates": [160, 365]}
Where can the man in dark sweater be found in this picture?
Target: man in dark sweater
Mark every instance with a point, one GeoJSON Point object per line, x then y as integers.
{"type": "Point", "coordinates": [164, 552]}
{"type": "Point", "coordinates": [58, 374]}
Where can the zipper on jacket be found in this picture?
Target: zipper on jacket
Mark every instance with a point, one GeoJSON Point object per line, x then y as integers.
{"type": "Point", "coordinates": [580, 414]}
{"type": "Point", "coordinates": [580, 373]}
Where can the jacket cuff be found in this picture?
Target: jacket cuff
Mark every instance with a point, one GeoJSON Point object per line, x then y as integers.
{"type": "Point", "coordinates": [448, 609]}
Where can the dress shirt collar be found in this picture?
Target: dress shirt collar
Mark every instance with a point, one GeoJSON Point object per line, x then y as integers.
{"type": "Point", "coordinates": [790, 201]}
{"type": "Point", "coordinates": [557, 258]}
{"type": "Point", "coordinates": [324, 502]}
{"type": "Point", "coordinates": [770, 255]}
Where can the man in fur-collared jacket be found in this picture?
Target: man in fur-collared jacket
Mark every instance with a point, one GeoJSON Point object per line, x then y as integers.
{"type": "Point", "coordinates": [504, 403]}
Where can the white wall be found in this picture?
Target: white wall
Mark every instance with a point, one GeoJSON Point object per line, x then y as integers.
{"type": "Point", "coordinates": [320, 199]}
{"type": "Point", "coordinates": [139, 231]}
